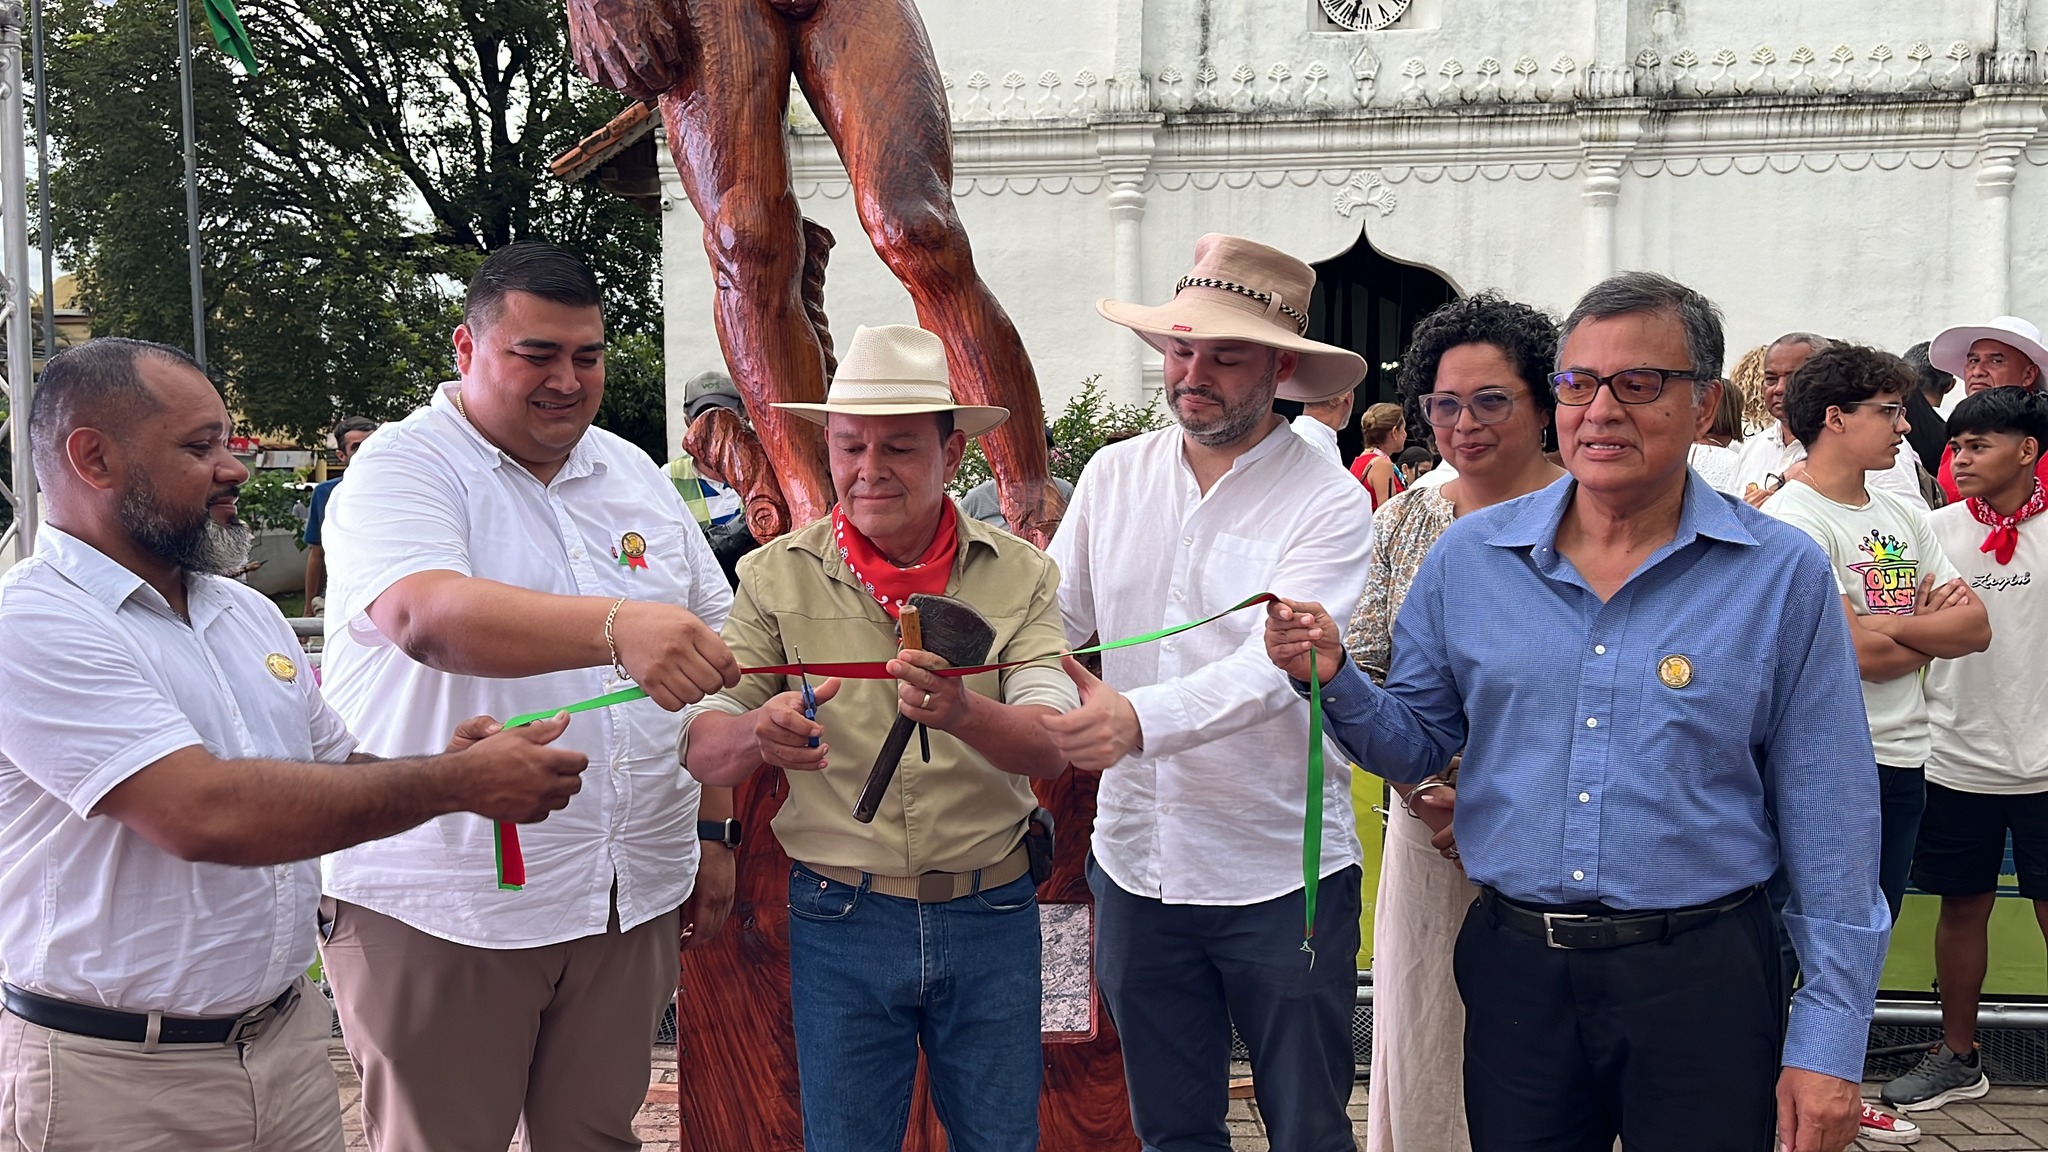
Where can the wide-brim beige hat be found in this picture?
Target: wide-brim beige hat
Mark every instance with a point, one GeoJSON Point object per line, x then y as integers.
{"type": "Point", "coordinates": [1950, 351]}
{"type": "Point", "coordinates": [897, 370]}
{"type": "Point", "coordinates": [1243, 290]}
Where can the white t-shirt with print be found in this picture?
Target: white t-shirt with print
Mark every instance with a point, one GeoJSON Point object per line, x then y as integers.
{"type": "Point", "coordinates": [1880, 553]}
{"type": "Point", "coordinates": [1989, 710]}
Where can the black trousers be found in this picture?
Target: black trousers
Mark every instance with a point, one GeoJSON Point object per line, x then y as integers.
{"type": "Point", "coordinates": [1177, 976]}
{"type": "Point", "coordinates": [1671, 1046]}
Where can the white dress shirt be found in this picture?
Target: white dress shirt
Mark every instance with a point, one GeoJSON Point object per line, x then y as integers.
{"type": "Point", "coordinates": [99, 679]}
{"type": "Point", "coordinates": [1717, 466]}
{"type": "Point", "coordinates": [1210, 811]}
{"type": "Point", "coordinates": [1768, 453]}
{"type": "Point", "coordinates": [1319, 436]}
{"type": "Point", "coordinates": [431, 494]}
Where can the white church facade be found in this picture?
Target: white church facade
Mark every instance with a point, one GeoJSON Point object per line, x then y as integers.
{"type": "Point", "coordinates": [1873, 171]}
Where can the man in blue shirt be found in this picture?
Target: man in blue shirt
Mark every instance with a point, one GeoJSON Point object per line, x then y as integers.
{"type": "Point", "coordinates": [1657, 700]}
{"type": "Point", "coordinates": [348, 436]}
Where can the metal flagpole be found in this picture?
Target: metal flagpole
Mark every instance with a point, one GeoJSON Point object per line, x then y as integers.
{"type": "Point", "coordinates": [43, 226]}
{"type": "Point", "coordinates": [191, 183]}
{"type": "Point", "coordinates": [14, 310]}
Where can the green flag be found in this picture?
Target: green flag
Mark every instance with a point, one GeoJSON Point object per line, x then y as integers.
{"type": "Point", "coordinates": [230, 35]}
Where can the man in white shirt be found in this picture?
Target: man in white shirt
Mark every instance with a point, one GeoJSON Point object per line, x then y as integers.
{"type": "Point", "coordinates": [1987, 772]}
{"type": "Point", "coordinates": [1774, 455]}
{"type": "Point", "coordinates": [1203, 746]}
{"type": "Point", "coordinates": [167, 770]}
{"type": "Point", "coordinates": [1320, 422]}
{"type": "Point", "coordinates": [493, 552]}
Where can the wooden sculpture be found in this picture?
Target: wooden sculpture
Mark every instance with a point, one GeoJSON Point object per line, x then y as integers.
{"type": "Point", "coordinates": [720, 72]}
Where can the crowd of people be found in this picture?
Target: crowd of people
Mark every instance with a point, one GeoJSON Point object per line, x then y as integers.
{"type": "Point", "coordinates": [1676, 685]}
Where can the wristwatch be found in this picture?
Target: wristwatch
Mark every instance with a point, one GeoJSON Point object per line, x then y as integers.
{"type": "Point", "coordinates": [726, 832]}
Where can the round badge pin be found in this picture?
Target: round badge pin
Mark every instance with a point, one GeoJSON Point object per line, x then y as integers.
{"type": "Point", "coordinates": [281, 666]}
{"type": "Point", "coordinates": [1674, 671]}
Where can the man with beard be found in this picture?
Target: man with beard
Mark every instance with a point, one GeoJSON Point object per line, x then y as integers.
{"type": "Point", "coordinates": [167, 774]}
{"type": "Point", "coordinates": [494, 552]}
{"type": "Point", "coordinates": [1197, 869]}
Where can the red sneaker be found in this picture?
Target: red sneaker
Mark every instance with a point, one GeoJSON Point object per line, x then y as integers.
{"type": "Point", "coordinates": [1885, 1127]}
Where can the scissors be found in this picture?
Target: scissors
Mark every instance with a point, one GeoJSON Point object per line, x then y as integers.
{"type": "Point", "coordinates": [810, 698]}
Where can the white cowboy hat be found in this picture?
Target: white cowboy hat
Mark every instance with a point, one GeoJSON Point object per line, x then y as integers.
{"type": "Point", "coordinates": [1950, 351]}
{"type": "Point", "coordinates": [1241, 290]}
{"type": "Point", "coordinates": [895, 370]}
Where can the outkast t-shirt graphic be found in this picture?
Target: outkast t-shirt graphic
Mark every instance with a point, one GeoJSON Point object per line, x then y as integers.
{"type": "Point", "coordinates": [1890, 578]}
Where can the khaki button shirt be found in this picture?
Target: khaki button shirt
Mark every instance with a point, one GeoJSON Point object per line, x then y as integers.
{"type": "Point", "coordinates": [955, 814]}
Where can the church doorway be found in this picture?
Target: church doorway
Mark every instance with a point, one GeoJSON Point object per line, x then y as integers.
{"type": "Point", "coordinates": [1369, 303]}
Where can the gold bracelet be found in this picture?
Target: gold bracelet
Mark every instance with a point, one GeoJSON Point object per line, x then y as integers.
{"type": "Point", "coordinates": [618, 669]}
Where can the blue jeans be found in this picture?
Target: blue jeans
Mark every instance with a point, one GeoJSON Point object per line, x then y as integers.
{"type": "Point", "coordinates": [874, 978]}
{"type": "Point", "coordinates": [1903, 792]}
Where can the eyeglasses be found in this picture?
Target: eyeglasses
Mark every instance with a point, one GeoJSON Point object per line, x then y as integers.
{"type": "Point", "coordinates": [1891, 411]}
{"type": "Point", "coordinates": [1634, 386]}
{"type": "Point", "coordinates": [1488, 405]}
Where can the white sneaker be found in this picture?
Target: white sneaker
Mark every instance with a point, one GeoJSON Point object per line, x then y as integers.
{"type": "Point", "coordinates": [1885, 1127]}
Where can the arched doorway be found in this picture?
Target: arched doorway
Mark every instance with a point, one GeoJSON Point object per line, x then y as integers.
{"type": "Point", "coordinates": [1369, 303]}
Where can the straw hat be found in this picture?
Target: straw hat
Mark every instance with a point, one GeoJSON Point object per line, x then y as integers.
{"type": "Point", "coordinates": [895, 370]}
{"type": "Point", "coordinates": [1241, 290]}
{"type": "Point", "coordinates": [1950, 351]}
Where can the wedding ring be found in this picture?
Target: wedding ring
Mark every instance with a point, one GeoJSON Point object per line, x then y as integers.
{"type": "Point", "coordinates": [927, 701]}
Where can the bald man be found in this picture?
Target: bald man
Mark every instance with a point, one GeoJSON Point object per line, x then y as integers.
{"type": "Point", "coordinates": [168, 778]}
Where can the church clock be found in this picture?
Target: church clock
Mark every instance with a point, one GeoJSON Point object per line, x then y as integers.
{"type": "Point", "coordinates": [1364, 15]}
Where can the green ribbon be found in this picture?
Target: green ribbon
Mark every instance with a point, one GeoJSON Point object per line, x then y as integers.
{"type": "Point", "coordinates": [512, 866]}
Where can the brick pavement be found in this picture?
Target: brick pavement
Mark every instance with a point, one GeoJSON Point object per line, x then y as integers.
{"type": "Point", "coordinates": [2008, 1120]}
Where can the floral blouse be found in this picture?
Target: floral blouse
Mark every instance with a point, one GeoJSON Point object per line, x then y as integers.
{"type": "Point", "coordinates": [1404, 528]}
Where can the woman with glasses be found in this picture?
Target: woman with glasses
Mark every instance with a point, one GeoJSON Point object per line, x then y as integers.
{"type": "Point", "coordinates": [1477, 368]}
{"type": "Point", "coordinates": [1386, 434]}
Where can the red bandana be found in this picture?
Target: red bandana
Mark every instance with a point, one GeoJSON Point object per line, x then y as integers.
{"type": "Point", "coordinates": [888, 583]}
{"type": "Point", "coordinates": [2005, 530]}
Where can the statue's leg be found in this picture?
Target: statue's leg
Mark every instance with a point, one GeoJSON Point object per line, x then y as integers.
{"type": "Point", "coordinates": [869, 73]}
{"type": "Point", "coordinates": [725, 125]}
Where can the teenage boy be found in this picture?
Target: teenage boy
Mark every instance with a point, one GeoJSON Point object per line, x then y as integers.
{"type": "Point", "coordinates": [1905, 604]}
{"type": "Point", "coordinates": [1988, 770]}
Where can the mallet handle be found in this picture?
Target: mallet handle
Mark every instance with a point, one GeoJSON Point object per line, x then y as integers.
{"type": "Point", "coordinates": [899, 734]}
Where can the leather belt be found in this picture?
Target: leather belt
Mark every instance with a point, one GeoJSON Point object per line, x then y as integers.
{"type": "Point", "coordinates": [1595, 930]}
{"type": "Point", "coordinates": [933, 887]}
{"type": "Point", "coordinates": [133, 1027]}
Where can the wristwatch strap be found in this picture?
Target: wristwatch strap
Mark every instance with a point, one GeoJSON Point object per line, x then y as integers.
{"type": "Point", "coordinates": [726, 832]}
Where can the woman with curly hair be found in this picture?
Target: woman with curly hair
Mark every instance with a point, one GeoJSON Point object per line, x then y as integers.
{"type": "Point", "coordinates": [1386, 433]}
{"type": "Point", "coordinates": [1478, 367]}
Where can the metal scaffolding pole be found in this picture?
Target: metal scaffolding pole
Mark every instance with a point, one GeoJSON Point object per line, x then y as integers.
{"type": "Point", "coordinates": [191, 183]}
{"type": "Point", "coordinates": [14, 307]}
{"type": "Point", "coordinates": [43, 226]}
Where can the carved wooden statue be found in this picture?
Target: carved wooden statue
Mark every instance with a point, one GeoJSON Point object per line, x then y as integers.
{"type": "Point", "coordinates": [720, 70]}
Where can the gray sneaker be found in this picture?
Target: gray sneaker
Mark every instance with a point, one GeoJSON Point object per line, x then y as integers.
{"type": "Point", "coordinates": [1941, 1078]}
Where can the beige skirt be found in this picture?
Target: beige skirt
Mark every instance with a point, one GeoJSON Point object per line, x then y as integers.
{"type": "Point", "coordinates": [1418, 1023]}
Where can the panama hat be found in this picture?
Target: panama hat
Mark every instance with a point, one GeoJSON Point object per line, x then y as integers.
{"type": "Point", "coordinates": [895, 370]}
{"type": "Point", "coordinates": [1241, 290]}
{"type": "Point", "coordinates": [1950, 351]}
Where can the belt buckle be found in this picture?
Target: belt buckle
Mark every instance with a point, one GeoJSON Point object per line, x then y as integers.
{"type": "Point", "coordinates": [252, 1024]}
{"type": "Point", "coordinates": [935, 887]}
{"type": "Point", "coordinates": [1550, 922]}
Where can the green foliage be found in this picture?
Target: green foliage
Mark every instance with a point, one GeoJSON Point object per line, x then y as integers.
{"type": "Point", "coordinates": [346, 193]}
{"type": "Point", "coordinates": [271, 498]}
{"type": "Point", "coordinates": [635, 401]}
{"type": "Point", "coordinates": [1078, 433]}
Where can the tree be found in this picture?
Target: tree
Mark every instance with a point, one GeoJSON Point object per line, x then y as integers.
{"type": "Point", "coordinates": [347, 191]}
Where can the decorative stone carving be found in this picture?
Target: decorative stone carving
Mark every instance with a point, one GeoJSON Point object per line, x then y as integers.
{"type": "Point", "coordinates": [1412, 95]}
{"type": "Point", "coordinates": [1012, 107]}
{"type": "Point", "coordinates": [1314, 96]}
{"type": "Point", "coordinates": [1084, 101]}
{"type": "Point", "coordinates": [1365, 74]}
{"type": "Point", "coordinates": [977, 98]}
{"type": "Point", "coordinates": [1049, 107]}
{"type": "Point", "coordinates": [1565, 88]}
{"type": "Point", "coordinates": [1450, 92]}
{"type": "Point", "coordinates": [1277, 94]}
{"type": "Point", "coordinates": [1241, 98]}
{"type": "Point", "coordinates": [1365, 190]}
{"type": "Point", "coordinates": [1205, 85]}
{"type": "Point", "coordinates": [1172, 95]}
{"type": "Point", "coordinates": [1526, 69]}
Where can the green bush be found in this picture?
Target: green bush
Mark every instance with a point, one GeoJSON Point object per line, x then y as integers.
{"type": "Point", "coordinates": [1078, 433]}
{"type": "Point", "coordinates": [270, 499]}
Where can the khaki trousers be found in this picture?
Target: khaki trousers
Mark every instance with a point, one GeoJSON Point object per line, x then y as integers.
{"type": "Point", "coordinates": [459, 1047]}
{"type": "Point", "coordinates": [60, 1092]}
